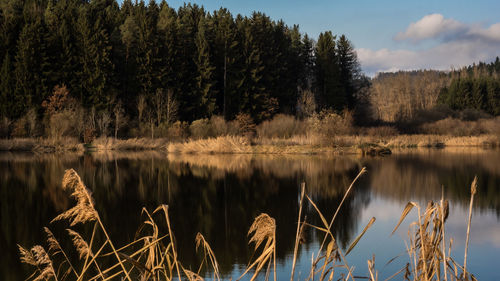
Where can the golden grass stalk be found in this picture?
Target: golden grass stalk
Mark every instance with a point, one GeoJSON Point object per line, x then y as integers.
{"type": "Point", "coordinates": [207, 252]}
{"type": "Point", "coordinates": [473, 190]}
{"type": "Point", "coordinates": [55, 248]}
{"type": "Point", "coordinates": [363, 170]}
{"type": "Point", "coordinates": [371, 269]}
{"type": "Point", "coordinates": [427, 244]}
{"type": "Point", "coordinates": [299, 232]}
{"type": "Point", "coordinates": [355, 242]}
{"type": "Point", "coordinates": [84, 211]}
{"type": "Point", "coordinates": [191, 275]}
{"type": "Point", "coordinates": [164, 208]}
{"type": "Point", "coordinates": [84, 250]}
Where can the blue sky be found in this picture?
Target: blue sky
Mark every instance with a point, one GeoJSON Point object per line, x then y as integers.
{"type": "Point", "coordinates": [392, 35]}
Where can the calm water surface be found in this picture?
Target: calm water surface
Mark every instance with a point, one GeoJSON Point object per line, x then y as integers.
{"type": "Point", "coordinates": [220, 195]}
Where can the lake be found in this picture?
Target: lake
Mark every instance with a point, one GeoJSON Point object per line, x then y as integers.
{"type": "Point", "coordinates": [220, 195]}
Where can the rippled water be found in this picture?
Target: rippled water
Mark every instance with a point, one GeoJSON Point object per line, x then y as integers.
{"type": "Point", "coordinates": [220, 195]}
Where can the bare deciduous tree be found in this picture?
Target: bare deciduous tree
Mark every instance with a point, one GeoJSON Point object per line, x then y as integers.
{"type": "Point", "coordinates": [171, 108]}
{"type": "Point", "coordinates": [159, 101]}
{"type": "Point", "coordinates": [141, 106]}
{"type": "Point", "coordinates": [306, 104]}
{"type": "Point", "coordinates": [120, 118]}
{"type": "Point", "coordinates": [103, 121]}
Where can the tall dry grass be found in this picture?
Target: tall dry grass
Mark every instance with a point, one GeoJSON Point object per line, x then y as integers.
{"type": "Point", "coordinates": [152, 255]}
{"type": "Point", "coordinates": [41, 144]}
{"type": "Point", "coordinates": [225, 144]}
{"type": "Point", "coordinates": [105, 143]}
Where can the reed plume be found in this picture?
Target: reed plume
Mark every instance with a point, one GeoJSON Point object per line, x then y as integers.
{"type": "Point", "coordinates": [55, 248]}
{"type": "Point", "coordinates": [84, 210]}
{"type": "Point", "coordinates": [82, 247]}
{"type": "Point", "coordinates": [427, 244]}
{"type": "Point", "coordinates": [38, 257]}
{"type": "Point", "coordinates": [263, 229]}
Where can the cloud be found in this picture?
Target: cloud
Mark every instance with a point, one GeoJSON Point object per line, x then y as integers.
{"type": "Point", "coordinates": [456, 44]}
{"type": "Point", "coordinates": [431, 26]}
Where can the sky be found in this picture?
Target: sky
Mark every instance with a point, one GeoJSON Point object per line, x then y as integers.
{"type": "Point", "coordinates": [391, 35]}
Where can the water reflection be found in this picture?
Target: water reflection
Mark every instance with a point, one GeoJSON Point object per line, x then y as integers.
{"type": "Point", "coordinates": [220, 195]}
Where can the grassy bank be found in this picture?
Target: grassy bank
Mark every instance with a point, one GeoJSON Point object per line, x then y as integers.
{"type": "Point", "coordinates": [298, 144]}
{"type": "Point", "coordinates": [153, 254]}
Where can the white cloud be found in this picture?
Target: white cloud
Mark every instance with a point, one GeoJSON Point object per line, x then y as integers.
{"type": "Point", "coordinates": [457, 45]}
{"type": "Point", "coordinates": [431, 26]}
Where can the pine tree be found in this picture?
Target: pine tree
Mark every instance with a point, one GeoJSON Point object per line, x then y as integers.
{"type": "Point", "coordinates": [329, 91]}
{"type": "Point", "coordinates": [350, 70]}
{"type": "Point", "coordinates": [97, 67]}
{"type": "Point", "coordinates": [30, 87]}
{"type": "Point", "coordinates": [6, 87]}
{"type": "Point", "coordinates": [205, 74]}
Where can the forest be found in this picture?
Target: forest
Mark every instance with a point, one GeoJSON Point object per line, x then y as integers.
{"type": "Point", "coordinates": [133, 69]}
{"type": "Point", "coordinates": [154, 64]}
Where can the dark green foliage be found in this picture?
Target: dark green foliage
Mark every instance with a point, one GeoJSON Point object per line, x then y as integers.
{"type": "Point", "coordinates": [211, 63]}
{"type": "Point", "coordinates": [476, 87]}
{"type": "Point", "coordinates": [329, 91]}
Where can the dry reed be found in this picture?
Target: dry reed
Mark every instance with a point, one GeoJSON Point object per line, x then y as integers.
{"type": "Point", "coordinates": [156, 260]}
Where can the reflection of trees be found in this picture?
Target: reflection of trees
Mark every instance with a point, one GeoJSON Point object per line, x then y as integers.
{"type": "Point", "coordinates": [29, 197]}
{"type": "Point", "coordinates": [221, 198]}
{"type": "Point", "coordinates": [421, 175]}
{"type": "Point", "coordinates": [218, 202]}
{"type": "Point", "coordinates": [220, 195]}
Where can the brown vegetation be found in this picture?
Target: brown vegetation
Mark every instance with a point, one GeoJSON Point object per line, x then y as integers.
{"type": "Point", "coordinates": [400, 96]}
{"type": "Point", "coordinates": [319, 133]}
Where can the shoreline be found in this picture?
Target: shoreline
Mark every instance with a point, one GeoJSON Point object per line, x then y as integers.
{"type": "Point", "coordinates": [364, 145]}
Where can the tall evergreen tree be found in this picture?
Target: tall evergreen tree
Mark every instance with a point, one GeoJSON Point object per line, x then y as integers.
{"type": "Point", "coordinates": [350, 71]}
{"type": "Point", "coordinates": [206, 72]}
{"type": "Point", "coordinates": [6, 87]}
{"type": "Point", "coordinates": [328, 88]}
{"type": "Point", "coordinates": [97, 67]}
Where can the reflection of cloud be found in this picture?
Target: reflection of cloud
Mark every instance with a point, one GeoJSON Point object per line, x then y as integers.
{"type": "Point", "coordinates": [458, 44]}
{"type": "Point", "coordinates": [484, 228]}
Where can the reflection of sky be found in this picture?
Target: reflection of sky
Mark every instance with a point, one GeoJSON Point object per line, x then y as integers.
{"type": "Point", "coordinates": [484, 245]}
{"type": "Point", "coordinates": [483, 255]}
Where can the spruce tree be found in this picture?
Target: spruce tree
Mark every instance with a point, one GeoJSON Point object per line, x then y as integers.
{"type": "Point", "coordinates": [350, 70]}
{"type": "Point", "coordinates": [328, 88]}
{"type": "Point", "coordinates": [205, 73]}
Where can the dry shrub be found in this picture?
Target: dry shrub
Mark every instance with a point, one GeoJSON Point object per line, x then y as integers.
{"type": "Point", "coordinates": [331, 124]}
{"type": "Point", "coordinates": [381, 131]}
{"type": "Point", "coordinates": [281, 126]}
{"type": "Point", "coordinates": [246, 124]}
{"type": "Point", "coordinates": [178, 130]}
{"type": "Point", "coordinates": [470, 114]}
{"type": "Point", "coordinates": [4, 127]}
{"type": "Point", "coordinates": [221, 127]}
{"type": "Point", "coordinates": [200, 129]}
{"type": "Point", "coordinates": [438, 112]}
{"type": "Point", "coordinates": [60, 124]}
{"type": "Point", "coordinates": [454, 127]}
{"type": "Point", "coordinates": [19, 128]}
{"type": "Point", "coordinates": [89, 135]}
{"type": "Point", "coordinates": [490, 126]}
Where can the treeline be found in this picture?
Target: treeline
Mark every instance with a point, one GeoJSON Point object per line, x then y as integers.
{"type": "Point", "coordinates": [426, 95]}
{"type": "Point", "coordinates": [475, 87]}
{"type": "Point", "coordinates": [160, 65]}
